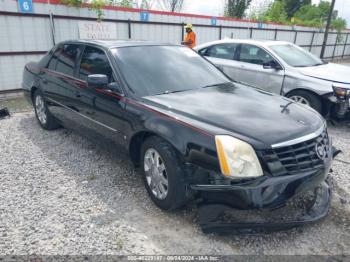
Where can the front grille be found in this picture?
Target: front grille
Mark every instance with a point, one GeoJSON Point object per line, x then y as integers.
{"type": "Point", "coordinates": [308, 155]}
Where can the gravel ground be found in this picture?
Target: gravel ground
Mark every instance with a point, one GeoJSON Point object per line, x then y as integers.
{"type": "Point", "coordinates": [61, 194]}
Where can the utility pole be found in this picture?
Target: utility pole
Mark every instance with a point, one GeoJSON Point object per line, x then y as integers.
{"type": "Point", "coordinates": [329, 20]}
{"type": "Point", "coordinates": [52, 26]}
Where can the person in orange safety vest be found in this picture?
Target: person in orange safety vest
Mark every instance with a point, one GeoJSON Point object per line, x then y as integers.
{"type": "Point", "coordinates": [190, 39]}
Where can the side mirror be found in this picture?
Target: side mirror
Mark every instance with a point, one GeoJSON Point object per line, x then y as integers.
{"type": "Point", "coordinates": [97, 81]}
{"type": "Point", "coordinates": [272, 65]}
{"type": "Point", "coordinates": [114, 87]}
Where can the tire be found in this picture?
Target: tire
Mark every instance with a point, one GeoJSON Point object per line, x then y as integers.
{"type": "Point", "coordinates": [42, 113]}
{"type": "Point", "coordinates": [173, 173]}
{"type": "Point", "coordinates": [313, 100]}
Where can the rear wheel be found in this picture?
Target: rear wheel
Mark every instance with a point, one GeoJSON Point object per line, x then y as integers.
{"type": "Point", "coordinates": [43, 115]}
{"type": "Point", "coordinates": [306, 98]}
{"type": "Point", "coordinates": [163, 174]}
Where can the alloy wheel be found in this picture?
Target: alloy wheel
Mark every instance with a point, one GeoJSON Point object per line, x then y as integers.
{"type": "Point", "coordinates": [156, 174]}
{"type": "Point", "coordinates": [300, 99]}
{"type": "Point", "coordinates": [40, 109]}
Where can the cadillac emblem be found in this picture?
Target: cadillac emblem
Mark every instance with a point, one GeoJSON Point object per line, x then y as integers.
{"type": "Point", "coordinates": [321, 150]}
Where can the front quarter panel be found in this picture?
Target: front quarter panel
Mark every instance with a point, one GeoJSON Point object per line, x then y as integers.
{"type": "Point", "coordinates": [194, 145]}
{"type": "Point", "coordinates": [295, 80]}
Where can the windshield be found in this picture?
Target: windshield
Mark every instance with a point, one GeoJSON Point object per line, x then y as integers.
{"type": "Point", "coordinates": [295, 56]}
{"type": "Point", "coordinates": [154, 70]}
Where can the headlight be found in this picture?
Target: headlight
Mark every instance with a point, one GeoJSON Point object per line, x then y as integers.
{"type": "Point", "coordinates": [341, 92]}
{"type": "Point", "coordinates": [237, 158]}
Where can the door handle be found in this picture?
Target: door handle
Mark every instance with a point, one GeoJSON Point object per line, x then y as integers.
{"type": "Point", "coordinates": [77, 94]}
{"type": "Point", "coordinates": [44, 81]}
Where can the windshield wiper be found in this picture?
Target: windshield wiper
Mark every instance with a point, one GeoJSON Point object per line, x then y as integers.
{"type": "Point", "coordinates": [218, 84]}
{"type": "Point", "coordinates": [303, 65]}
{"type": "Point", "coordinates": [317, 64]}
{"type": "Point", "coordinates": [166, 92]}
{"type": "Point", "coordinates": [320, 64]}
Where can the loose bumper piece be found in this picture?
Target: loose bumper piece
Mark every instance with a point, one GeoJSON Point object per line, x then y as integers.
{"type": "Point", "coordinates": [212, 216]}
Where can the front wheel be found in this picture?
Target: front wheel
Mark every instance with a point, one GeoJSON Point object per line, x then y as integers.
{"type": "Point", "coordinates": [306, 98]}
{"type": "Point", "coordinates": [163, 174]}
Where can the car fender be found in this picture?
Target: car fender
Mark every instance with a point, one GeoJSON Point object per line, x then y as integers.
{"type": "Point", "coordinates": [193, 144]}
{"type": "Point", "coordinates": [318, 86]}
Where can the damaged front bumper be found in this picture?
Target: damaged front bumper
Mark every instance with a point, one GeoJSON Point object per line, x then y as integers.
{"type": "Point", "coordinates": [338, 107]}
{"type": "Point", "coordinates": [220, 206]}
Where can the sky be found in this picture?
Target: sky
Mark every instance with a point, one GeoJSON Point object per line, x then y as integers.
{"type": "Point", "coordinates": [216, 7]}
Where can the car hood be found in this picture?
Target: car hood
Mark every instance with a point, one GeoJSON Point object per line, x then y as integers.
{"type": "Point", "coordinates": [330, 72]}
{"type": "Point", "coordinates": [253, 115]}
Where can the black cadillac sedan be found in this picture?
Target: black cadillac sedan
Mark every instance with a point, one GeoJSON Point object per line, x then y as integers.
{"type": "Point", "coordinates": [193, 132]}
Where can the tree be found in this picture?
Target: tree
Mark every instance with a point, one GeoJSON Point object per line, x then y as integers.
{"type": "Point", "coordinates": [97, 5]}
{"type": "Point", "coordinates": [145, 4]}
{"type": "Point", "coordinates": [316, 15]}
{"type": "Point", "coordinates": [170, 5]}
{"type": "Point", "coordinates": [308, 15]}
{"type": "Point", "coordinates": [122, 3]}
{"type": "Point", "coordinates": [292, 6]}
{"type": "Point", "coordinates": [339, 24]}
{"type": "Point", "coordinates": [275, 13]}
{"type": "Point", "coordinates": [236, 8]}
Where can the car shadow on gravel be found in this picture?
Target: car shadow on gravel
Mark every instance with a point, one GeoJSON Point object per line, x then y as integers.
{"type": "Point", "coordinates": [107, 173]}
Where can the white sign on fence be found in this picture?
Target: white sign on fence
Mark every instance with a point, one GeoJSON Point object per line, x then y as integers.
{"type": "Point", "coordinates": [97, 30]}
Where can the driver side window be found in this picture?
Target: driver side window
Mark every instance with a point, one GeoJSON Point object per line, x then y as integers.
{"type": "Point", "coordinates": [254, 55]}
{"type": "Point", "coordinates": [95, 61]}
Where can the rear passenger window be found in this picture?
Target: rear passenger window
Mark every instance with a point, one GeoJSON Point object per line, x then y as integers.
{"type": "Point", "coordinates": [94, 61]}
{"type": "Point", "coordinates": [53, 61]}
{"type": "Point", "coordinates": [66, 59]}
{"type": "Point", "coordinates": [223, 51]}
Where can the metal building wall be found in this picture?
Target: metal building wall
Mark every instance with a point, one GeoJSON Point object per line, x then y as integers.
{"type": "Point", "coordinates": [27, 38]}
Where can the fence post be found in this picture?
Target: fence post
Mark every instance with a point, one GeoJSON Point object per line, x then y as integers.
{"type": "Point", "coordinates": [335, 47]}
{"type": "Point", "coordinates": [251, 32]}
{"type": "Point", "coordinates": [52, 27]}
{"type": "Point", "coordinates": [182, 31]}
{"type": "Point", "coordinates": [329, 20]}
{"type": "Point", "coordinates": [345, 44]}
{"type": "Point", "coordinates": [295, 36]}
{"type": "Point", "coordinates": [220, 32]}
{"type": "Point", "coordinates": [276, 30]}
{"type": "Point", "coordinates": [129, 28]}
{"type": "Point", "coordinates": [312, 40]}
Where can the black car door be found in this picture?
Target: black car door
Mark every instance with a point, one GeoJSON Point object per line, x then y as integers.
{"type": "Point", "coordinates": [104, 108]}
{"type": "Point", "coordinates": [60, 87]}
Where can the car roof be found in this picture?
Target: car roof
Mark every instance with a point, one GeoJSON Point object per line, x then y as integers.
{"type": "Point", "coordinates": [259, 42]}
{"type": "Point", "coordinates": [117, 43]}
